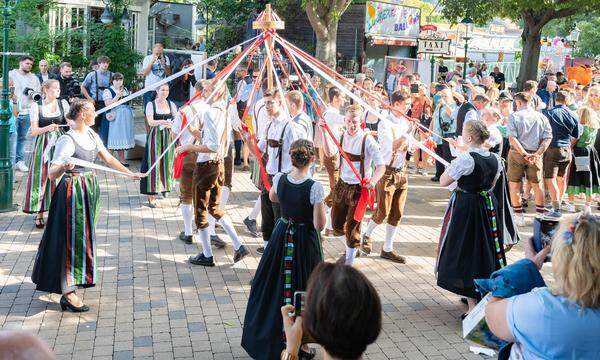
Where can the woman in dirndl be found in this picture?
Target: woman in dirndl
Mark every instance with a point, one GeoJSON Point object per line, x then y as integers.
{"type": "Point", "coordinates": [120, 131]}
{"type": "Point", "coordinates": [66, 257]}
{"type": "Point", "coordinates": [584, 173]}
{"type": "Point", "coordinates": [470, 245]}
{"type": "Point", "coordinates": [159, 114]}
{"type": "Point", "coordinates": [294, 251]}
{"type": "Point", "coordinates": [48, 122]}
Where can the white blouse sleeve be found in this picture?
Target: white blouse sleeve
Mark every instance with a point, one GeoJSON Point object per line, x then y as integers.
{"type": "Point", "coordinates": [66, 106]}
{"type": "Point", "coordinates": [174, 110]}
{"type": "Point", "coordinates": [63, 150]}
{"type": "Point", "coordinates": [317, 193]}
{"type": "Point", "coordinates": [461, 166]}
{"type": "Point", "coordinates": [106, 95]}
{"type": "Point", "coordinates": [98, 141]}
{"type": "Point", "coordinates": [149, 109]}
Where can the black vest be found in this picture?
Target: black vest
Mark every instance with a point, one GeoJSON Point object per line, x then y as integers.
{"type": "Point", "coordinates": [460, 117]}
{"type": "Point", "coordinates": [483, 175]}
{"type": "Point", "coordinates": [294, 200]}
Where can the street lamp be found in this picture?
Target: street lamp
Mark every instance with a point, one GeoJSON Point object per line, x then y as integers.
{"type": "Point", "coordinates": [573, 38]}
{"type": "Point", "coordinates": [468, 22]}
{"type": "Point", "coordinates": [108, 15]}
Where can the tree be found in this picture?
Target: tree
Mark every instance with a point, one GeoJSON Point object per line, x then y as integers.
{"type": "Point", "coordinates": [534, 14]}
{"type": "Point", "coordinates": [588, 44]}
{"type": "Point", "coordinates": [324, 16]}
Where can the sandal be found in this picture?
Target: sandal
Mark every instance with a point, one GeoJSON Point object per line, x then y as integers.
{"type": "Point", "coordinates": [39, 223]}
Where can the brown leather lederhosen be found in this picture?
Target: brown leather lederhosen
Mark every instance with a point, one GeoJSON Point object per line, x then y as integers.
{"type": "Point", "coordinates": [345, 197]}
{"type": "Point", "coordinates": [391, 192]}
{"type": "Point", "coordinates": [209, 177]}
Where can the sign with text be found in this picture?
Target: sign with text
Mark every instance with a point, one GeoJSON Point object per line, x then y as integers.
{"type": "Point", "coordinates": [392, 20]}
{"type": "Point", "coordinates": [433, 46]}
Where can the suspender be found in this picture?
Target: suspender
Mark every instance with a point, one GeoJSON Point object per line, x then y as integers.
{"type": "Point", "coordinates": [96, 75]}
{"type": "Point", "coordinates": [354, 157]}
{"type": "Point", "coordinates": [279, 144]}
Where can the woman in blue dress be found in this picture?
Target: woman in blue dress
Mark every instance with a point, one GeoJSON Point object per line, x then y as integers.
{"type": "Point", "coordinates": [293, 252]}
{"type": "Point", "coordinates": [120, 131]}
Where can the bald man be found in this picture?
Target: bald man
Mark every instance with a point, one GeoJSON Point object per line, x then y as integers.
{"type": "Point", "coordinates": [19, 345]}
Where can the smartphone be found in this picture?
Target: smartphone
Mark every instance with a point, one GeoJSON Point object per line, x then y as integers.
{"type": "Point", "coordinates": [543, 233]}
{"type": "Point", "coordinates": [299, 298]}
{"type": "Point", "coordinates": [414, 88]}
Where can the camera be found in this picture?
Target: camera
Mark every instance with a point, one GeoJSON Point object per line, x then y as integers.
{"type": "Point", "coordinates": [445, 126]}
{"type": "Point", "coordinates": [73, 88]}
{"type": "Point", "coordinates": [543, 233]}
{"type": "Point", "coordinates": [34, 95]}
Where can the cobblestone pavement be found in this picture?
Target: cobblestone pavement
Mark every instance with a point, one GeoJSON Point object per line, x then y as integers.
{"type": "Point", "coordinates": [150, 303]}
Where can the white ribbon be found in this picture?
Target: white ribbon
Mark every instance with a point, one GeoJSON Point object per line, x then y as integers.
{"type": "Point", "coordinates": [91, 165]}
{"type": "Point", "coordinates": [358, 100]}
{"type": "Point", "coordinates": [167, 79]}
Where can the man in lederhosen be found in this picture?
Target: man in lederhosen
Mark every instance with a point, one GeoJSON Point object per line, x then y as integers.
{"type": "Point", "coordinates": [392, 189]}
{"type": "Point", "coordinates": [362, 149]}
{"type": "Point", "coordinates": [209, 177]}
{"type": "Point", "coordinates": [275, 144]}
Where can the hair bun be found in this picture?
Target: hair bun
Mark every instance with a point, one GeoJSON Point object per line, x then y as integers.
{"type": "Point", "coordinates": [301, 152]}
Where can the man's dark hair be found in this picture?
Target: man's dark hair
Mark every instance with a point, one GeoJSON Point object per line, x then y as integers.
{"type": "Point", "coordinates": [117, 76]}
{"type": "Point", "coordinates": [213, 62]}
{"type": "Point", "coordinates": [333, 92]}
{"type": "Point", "coordinates": [529, 84]}
{"type": "Point", "coordinates": [482, 98]}
{"type": "Point", "coordinates": [562, 96]}
{"type": "Point", "coordinates": [26, 57]}
{"type": "Point", "coordinates": [343, 310]}
{"type": "Point", "coordinates": [524, 97]}
{"type": "Point", "coordinates": [103, 59]}
{"type": "Point", "coordinates": [65, 64]}
{"type": "Point", "coordinates": [399, 96]}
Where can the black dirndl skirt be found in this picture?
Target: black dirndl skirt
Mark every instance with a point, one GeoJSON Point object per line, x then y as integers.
{"type": "Point", "coordinates": [584, 182]}
{"type": "Point", "coordinates": [66, 257]}
{"type": "Point", "coordinates": [293, 252]}
{"type": "Point", "coordinates": [506, 215]}
{"type": "Point", "coordinates": [470, 244]}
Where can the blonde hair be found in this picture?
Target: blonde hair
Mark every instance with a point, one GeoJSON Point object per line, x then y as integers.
{"type": "Point", "coordinates": [46, 85]}
{"type": "Point", "coordinates": [296, 98]}
{"type": "Point", "coordinates": [576, 262]}
{"type": "Point", "coordinates": [354, 110]}
{"type": "Point", "coordinates": [493, 93]}
{"type": "Point", "coordinates": [478, 130]}
{"type": "Point", "coordinates": [588, 117]}
{"type": "Point", "coordinates": [593, 89]}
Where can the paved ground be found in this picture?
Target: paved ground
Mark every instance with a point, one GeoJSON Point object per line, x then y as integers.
{"type": "Point", "coordinates": [150, 303]}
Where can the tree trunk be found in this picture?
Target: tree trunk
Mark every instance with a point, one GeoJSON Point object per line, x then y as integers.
{"type": "Point", "coordinates": [326, 45]}
{"type": "Point", "coordinates": [531, 36]}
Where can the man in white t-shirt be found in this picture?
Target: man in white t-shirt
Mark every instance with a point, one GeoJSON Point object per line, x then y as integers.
{"type": "Point", "coordinates": [155, 67]}
{"type": "Point", "coordinates": [26, 83]}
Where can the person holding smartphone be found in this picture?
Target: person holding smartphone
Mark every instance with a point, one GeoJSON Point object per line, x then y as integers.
{"type": "Point", "coordinates": [294, 251]}
{"type": "Point", "coordinates": [155, 67]}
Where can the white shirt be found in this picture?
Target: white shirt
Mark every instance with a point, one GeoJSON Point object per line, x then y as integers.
{"type": "Point", "coordinates": [495, 135]}
{"type": "Point", "coordinates": [317, 193]}
{"type": "Point", "coordinates": [304, 126]}
{"type": "Point", "coordinates": [158, 70]}
{"type": "Point", "coordinates": [464, 164]}
{"type": "Point", "coordinates": [390, 130]}
{"type": "Point", "coordinates": [34, 111]}
{"type": "Point", "coordinates": [275, 129]}
{"type": "Point", "coordinates": [469, 116]}
{"type": "Point", "coordinates": [23, 81]}
{"type": "Point", "coordinates": [216, 130]}
{"type": "Point", "coordinates": [65, 148]}
{"type": "Point", "coordinates": [352, 145]}
{"type": "Point", "coordinates": [194, 114]}
{"type": "Point", "coordinates": [260, 118]}
{"type": "Point", "coordinates": [335, 121]}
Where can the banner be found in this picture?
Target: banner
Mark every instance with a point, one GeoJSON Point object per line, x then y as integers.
{"type": "Point", "coordinates": [392, 20]}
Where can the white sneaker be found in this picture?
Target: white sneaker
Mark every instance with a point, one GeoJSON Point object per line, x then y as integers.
{"type": "Point", "coordinates": [20, 165]}
{"type": "Point", "coordinates": [520, 219]}
{"type": "Point", "coordinates": [568, 207]}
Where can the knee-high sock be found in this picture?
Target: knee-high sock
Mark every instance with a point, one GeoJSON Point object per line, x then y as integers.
{"type": "Point", "coordinates": [255, 210]}
{"type": "Point", "coordinates": [390, 232]}
{"type": "Point", "coordinates": [230, 230]}
{"type": "Point", "coordinates": [211, 225]}
{"type": "Point", "coordinates": [370, 228]}
{"type": "Point", "coordinates": [328, 222]}
{"type": "Point", "coordinates": [187, 211]}
{"type": "Point", "coordinates": [205, 239]}
{"type": "Point", "coordinates": [350, 255]}
{"type": "Point", "coordinates": [225, 191]}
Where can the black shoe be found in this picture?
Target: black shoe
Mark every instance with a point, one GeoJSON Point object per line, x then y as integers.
{"type": "Point", "coordinates": [200, 259]}
{"type": "Point", "coordinates": [240, 253]}
{"type": "Point", "coordinates": [216, 241]}
{"type": "Point", "coordinates": [251, 226]}
{"type": "Point", "coordinates": [65, 304]}
{"type": "Point", "coordinates": [188, 239]}
{"type": "Point", "coordinates": [260, 250]}
{"type": "Point", "coordinates": [435, 179]}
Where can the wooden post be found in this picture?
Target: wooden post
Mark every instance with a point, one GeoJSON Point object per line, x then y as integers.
{"type": "Point", "coordinates": [268, 23]}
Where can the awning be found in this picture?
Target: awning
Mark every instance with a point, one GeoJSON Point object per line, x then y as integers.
{"type": "Point", "coordinates": [392, 41]}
